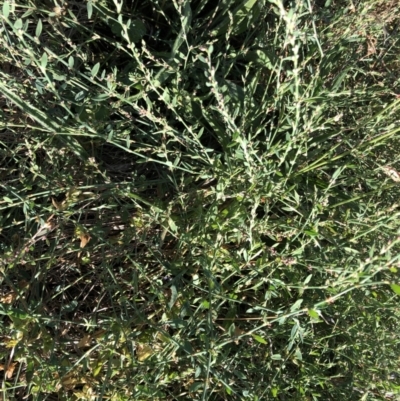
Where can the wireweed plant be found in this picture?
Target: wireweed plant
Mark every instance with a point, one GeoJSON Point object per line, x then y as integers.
{"type": "Point", "coordinates": [199, 200]}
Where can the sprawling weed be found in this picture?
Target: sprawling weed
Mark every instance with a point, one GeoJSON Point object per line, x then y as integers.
{"type": "Point", "coordinates": [199, 200]}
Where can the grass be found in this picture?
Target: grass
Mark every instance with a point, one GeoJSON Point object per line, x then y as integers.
{"type": "Point", "coordinates": [199, 200]}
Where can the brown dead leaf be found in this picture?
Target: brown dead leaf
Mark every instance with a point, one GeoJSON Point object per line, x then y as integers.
{"type": "Point", "coordinates": [22, 284]}
{"type": "Point", "coordinates": [65, 330]}
{"type": "Point", "coordinates": [10, 369]}
{"type": "Point", "coordinates": [71, 380]}
{"type": "Point", "coordinates": [238, 332]}
{"type": "Point", "coordinates": [85, 238]}
{"type": "Point", "coordinates": [371, 45]}
{"type": "Point", "coordinates": [70, 383]}
{"type": "Point", "coordinates": [87, 393]}
{"type": "Point", "coordinates": [143, 351]}
{"type": "Point", "coordinates": [391, 173]}
{"type": "Point", "coordinates": [12, 343]}
{"type": "Point", "coordinates": [50, 223]}
{"type": "Point", "coordinates": [15, 239]}
{"type": "Point", "coordinates": [60, 11]}
{"type": "Point", "coordinates": [8, 298]}
{"type": "Point", "coordinates": [85, 341]}
{"type": "Point", "coordinates": [99, 333]}
{"type": "Point", "coordinates": [58, 205]}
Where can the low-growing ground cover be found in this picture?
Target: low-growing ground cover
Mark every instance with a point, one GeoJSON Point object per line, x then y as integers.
{"type": "Point", "coordinates": [199, 200]}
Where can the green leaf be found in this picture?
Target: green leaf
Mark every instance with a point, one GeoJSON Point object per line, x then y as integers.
{"type": "Point", "coordinates": [6, 9]}
{"type": "Point", "coordinates": [336, 174]}
{"type": "Point", "coordinates": [311, 233]}
{"type": "Point", "coordinates": [136, 31]}
{"type": "Point", "coordinates": [307, 280]}
{"type": "Point", "coordinates": [313, 313]}
{"type": "Point", "coordinates": [95, 69]}
{"type": "Point", "coordinates": [261, 57]}
{"type": "Point", "coordinates": [339, 79]}
{"type": "Point", "coordinates": [172, 225]}
{"type": "Point", "coordinates": [18, 24]}
{"type": "Point", "coordinates": [27, 13]}
{"type": "Point", "coordinates": [39, 28]}
{"type": "Point", "coordinates": [43, 60]}
{"type": "Point", "coordinates": [196, 387]}
{"type": "Point", "coordinates": [239, 15]}
{"type": "Point", "coordinates": [296, 305]}
{"type": "Point", "coordinates": [174, 297]}
{"type": "Point", "coordinates": [395, 288]}
{"type": "Point", "coordinates": [186, 20]}
{"type": "Point", "coordinates": [298, 354]}
{"type": "Point", "coordinates": [16, 313]}
{"type": "Point", "coordinates": [101, 97]}
{"type": "Point", "coordinates": [236, 92]}
{"type": "Point", "coordinates": [187, 17]}
{"type": "Point", "coordinates": [205, 305]}
{"type": "Point", "coordinates": [43, 120]}
{"type": "Point", "coordinates": [89, 7]}
{"type": "Point", "coordinates": [259, 339]}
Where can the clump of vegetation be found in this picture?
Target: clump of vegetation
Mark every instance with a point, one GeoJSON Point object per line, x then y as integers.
{"type": "Point", "coordinates": [200, 200]}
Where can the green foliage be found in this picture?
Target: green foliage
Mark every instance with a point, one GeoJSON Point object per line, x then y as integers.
{"type": "Point", "coordinates": [199, 200]}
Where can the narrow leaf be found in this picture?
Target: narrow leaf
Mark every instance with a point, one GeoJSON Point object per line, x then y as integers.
{"type": "Point", "coordinates": [95, 69]}
{"type": "Point", "coordinates": [307, 280]}
{"type": "Point", "coordinates": [85, 238]}
{"type": "Point", "coordinates": [6, 9]}
{"type": "Point", "coordinates": [43, 119]}
{"type": "Point", "coordinates": [395, 288]}
{"type": "Point", "coordinates": [296, 305]}
{"type": "Point", "coordinates": [174, 296]}
{"type": "Point", "coordinates": [43, 60]}
{"type": "Point", "coordinates": [259, 339]}
{"type": "Point", "coordinates": [172, 225]}
{"type": "Point", "coordinates": [85, 341]}
{"type": "Point", "coordinates": [39, 28]}
{"type": "Point", "coordinates": [89, 7]}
